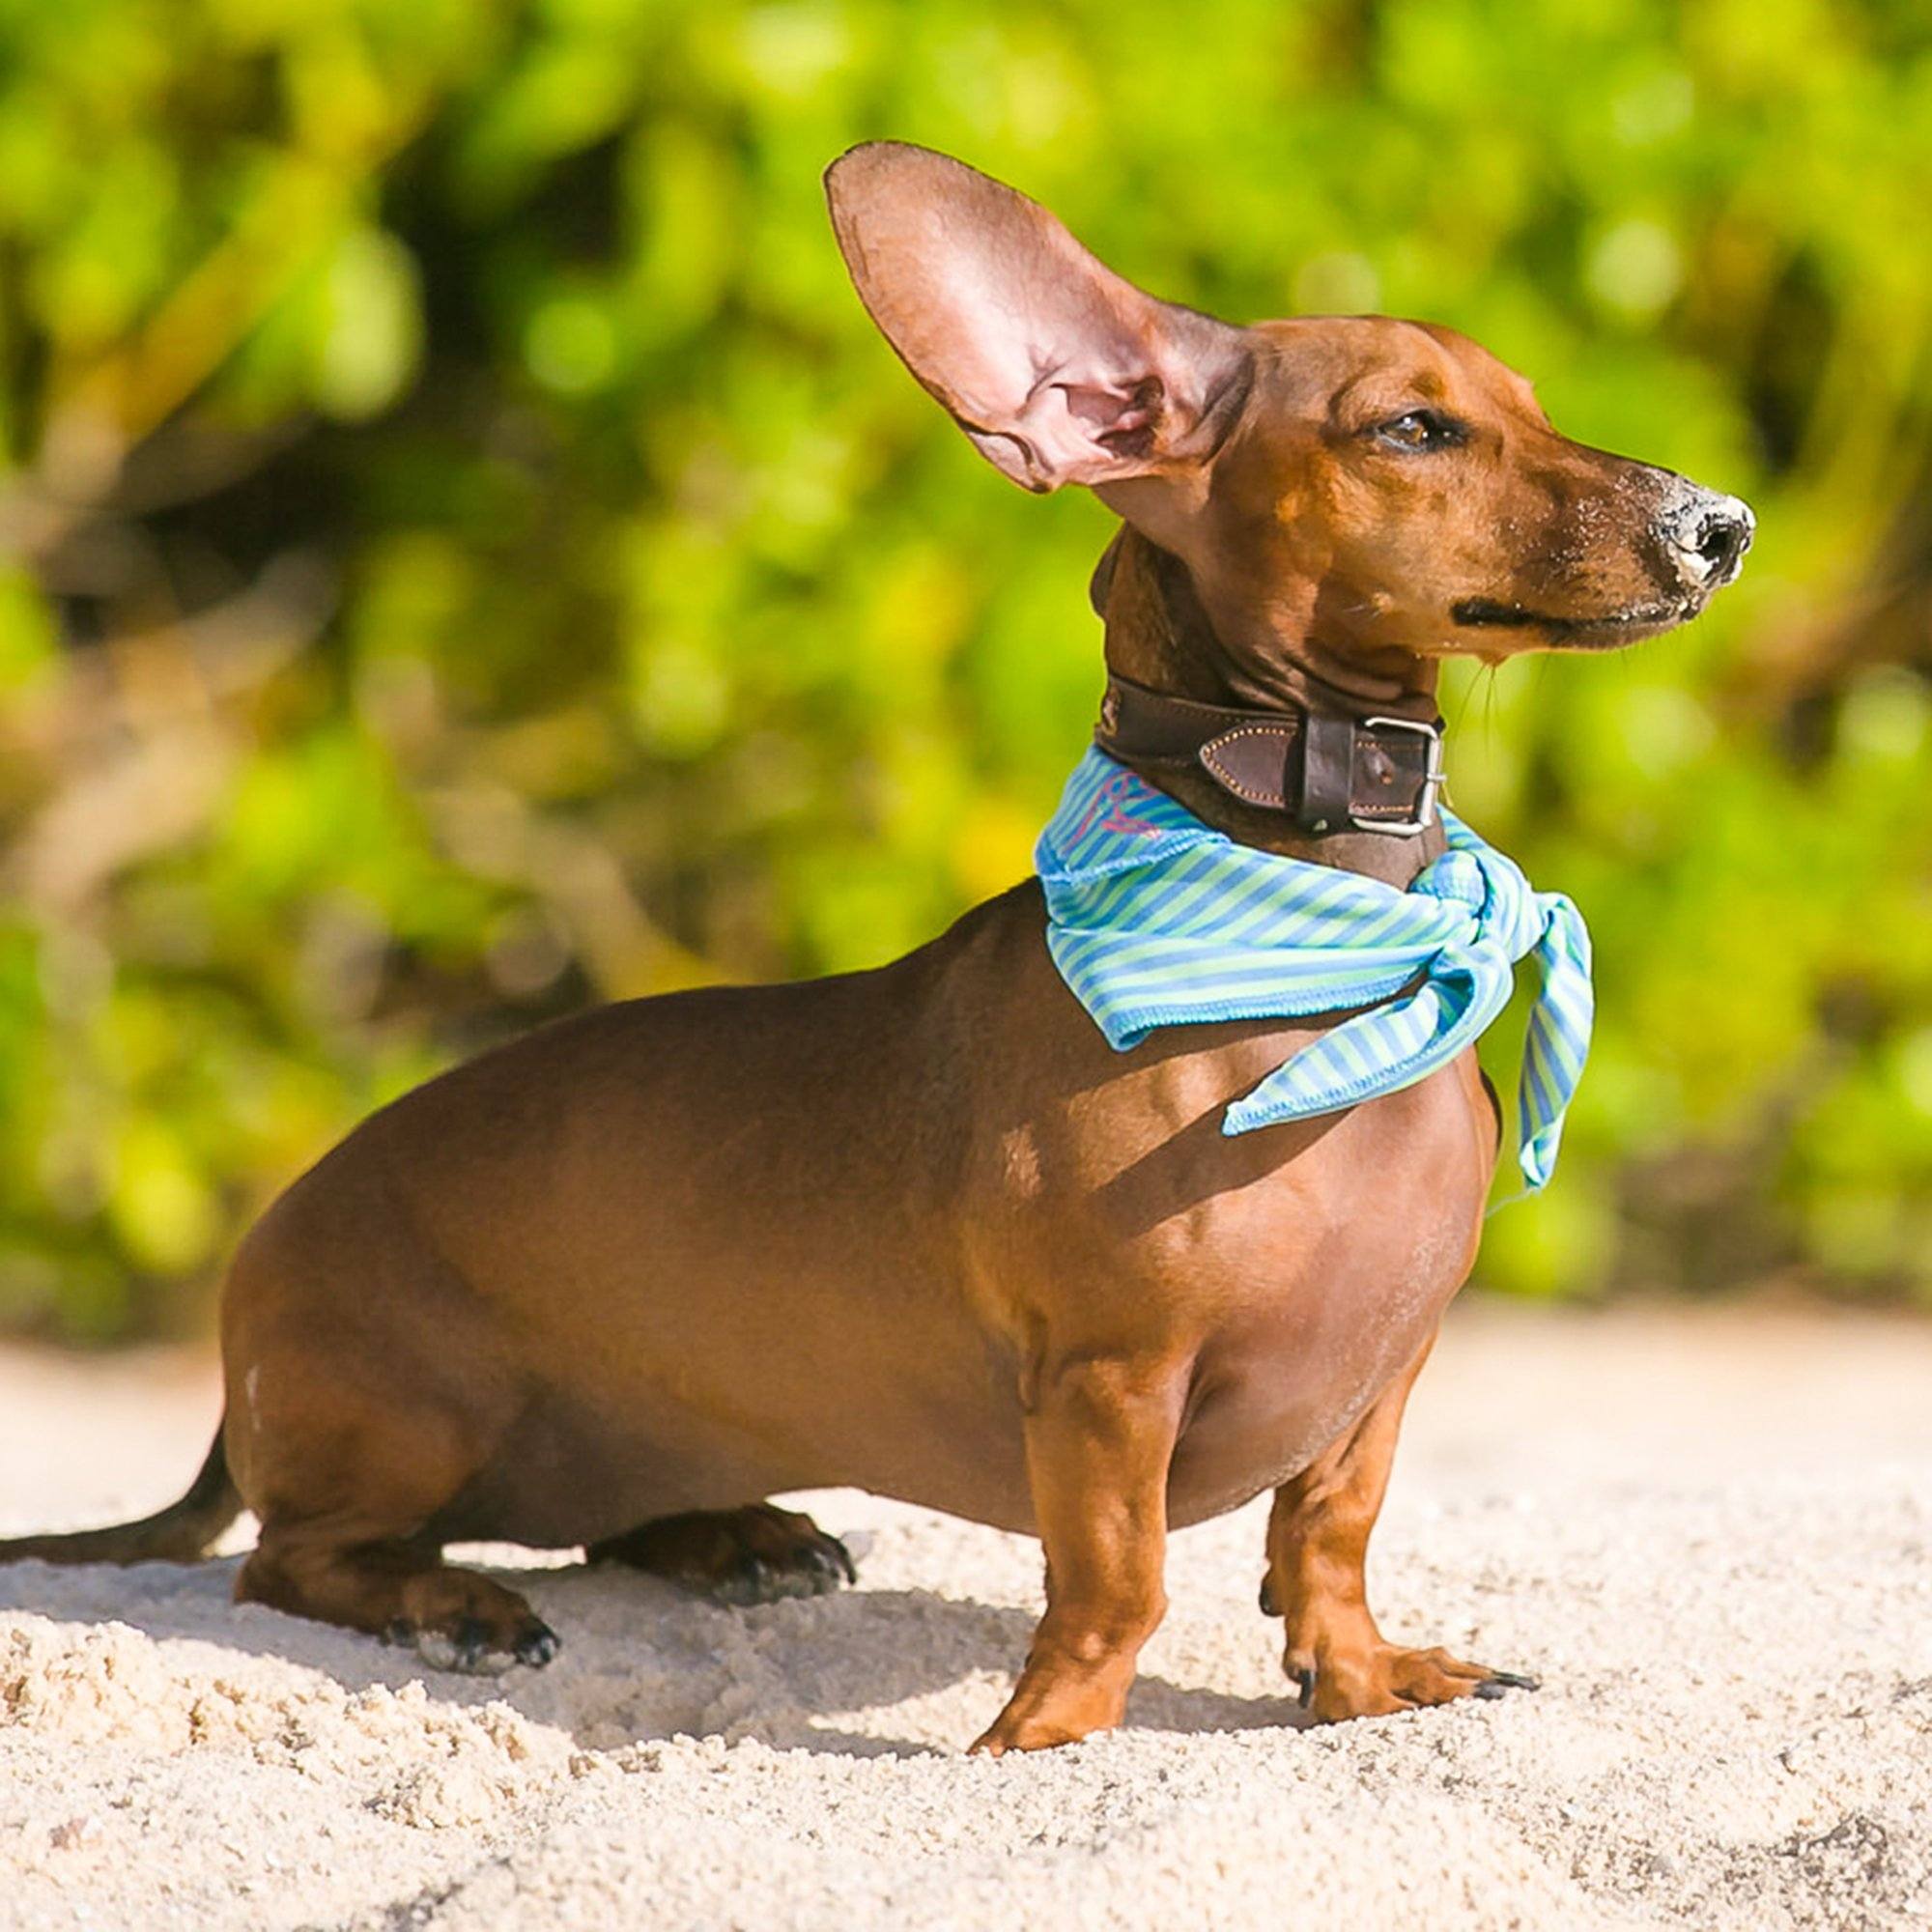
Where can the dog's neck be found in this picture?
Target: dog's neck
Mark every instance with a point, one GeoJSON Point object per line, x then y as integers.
{"type": "Point", "coordinates": [1158, 636]}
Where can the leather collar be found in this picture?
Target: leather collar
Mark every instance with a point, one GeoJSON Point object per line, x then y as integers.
{"type": "Point", "coordinates": [1330, 773]}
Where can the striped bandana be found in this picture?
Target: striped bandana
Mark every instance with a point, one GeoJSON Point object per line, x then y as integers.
{"type": "Point", "coordinates": [1154, 918]}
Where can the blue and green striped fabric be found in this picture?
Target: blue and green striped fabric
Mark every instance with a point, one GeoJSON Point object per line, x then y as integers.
{"type": "Point", "coordinates": [1156, 918]}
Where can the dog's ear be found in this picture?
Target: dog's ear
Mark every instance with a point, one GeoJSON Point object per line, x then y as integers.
{"type": "Point", "coordinates": [1057, 369]}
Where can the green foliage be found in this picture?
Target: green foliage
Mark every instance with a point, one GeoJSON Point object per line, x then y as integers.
{"type": "Point", "coordinates": [465, 553]}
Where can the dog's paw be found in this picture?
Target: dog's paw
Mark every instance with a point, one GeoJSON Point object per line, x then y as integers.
{"type": "Point", "coordinates": [759, 1554]}
{"type": "Point", "coordinates": [1380, 1680]}
{"type": "Point", "coordinates": [475, 1647]}
{"type": "Point", "coordinates": [812, 1568]}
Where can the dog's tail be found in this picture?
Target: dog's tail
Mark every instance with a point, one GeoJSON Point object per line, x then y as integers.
{"type": "Point", "coordinates": [181, 1533]}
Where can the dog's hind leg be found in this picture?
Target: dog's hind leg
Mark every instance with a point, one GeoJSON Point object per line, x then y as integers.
{"type": "Point", "coordinates": [1317, 1545]}
{"type": "Point", "coordinates": [455, 1619]}
{"type": "Point", "coordinates": [750, 1555]}
{"type": "Point", "coordinates": [349, 1479]}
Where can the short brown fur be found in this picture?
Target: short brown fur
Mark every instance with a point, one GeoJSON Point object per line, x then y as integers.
{"type": "Point", "coordinates": [920, 1230]}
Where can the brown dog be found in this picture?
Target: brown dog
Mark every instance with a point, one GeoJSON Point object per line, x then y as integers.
{"type": "Point", "coordinates": [920, 1229]}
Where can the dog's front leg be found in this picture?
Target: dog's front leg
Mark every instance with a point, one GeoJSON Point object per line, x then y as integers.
{"type": "Point", "coordinates": [1317, 1544]}
{"type": "Point", "coordinates": [1099, 1436]}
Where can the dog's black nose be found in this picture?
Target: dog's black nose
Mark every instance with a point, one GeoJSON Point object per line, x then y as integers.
{"type": "Point", "coordinates": [1705, 536]}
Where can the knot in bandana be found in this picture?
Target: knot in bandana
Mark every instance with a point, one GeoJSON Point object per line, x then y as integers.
{"type": "Point", "coordinates": [1154, 918]}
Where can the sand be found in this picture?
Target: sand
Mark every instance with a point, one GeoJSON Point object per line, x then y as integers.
{"type": "Point", "coordinates": [1708, 1533]}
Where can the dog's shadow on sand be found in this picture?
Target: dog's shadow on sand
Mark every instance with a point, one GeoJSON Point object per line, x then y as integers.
{"type": "Point", "coordinates": [643, 1661]}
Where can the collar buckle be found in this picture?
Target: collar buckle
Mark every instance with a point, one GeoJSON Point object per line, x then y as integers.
{"type": "Point", "coordinates": [1431, 781]}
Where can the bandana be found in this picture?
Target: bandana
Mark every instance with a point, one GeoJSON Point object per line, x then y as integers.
{"type": "Point", "coordinates": [1154, 918]}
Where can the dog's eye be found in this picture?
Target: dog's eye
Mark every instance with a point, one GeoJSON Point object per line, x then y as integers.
{"type": "Point", "coordinates": [1419, 429]}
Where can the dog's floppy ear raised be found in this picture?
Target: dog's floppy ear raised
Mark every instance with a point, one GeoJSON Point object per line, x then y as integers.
{"type": "Point", "coordinates": [1057, 369]}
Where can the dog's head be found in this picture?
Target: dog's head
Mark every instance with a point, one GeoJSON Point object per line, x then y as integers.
{"type": "Point", "coordinates": [1387, 487]}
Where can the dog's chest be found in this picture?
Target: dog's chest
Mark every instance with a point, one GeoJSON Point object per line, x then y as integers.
{"type": "Point", "coordinates": [1277, 1384]}
{"type": "Point", "coordinates": [1309, 1291]}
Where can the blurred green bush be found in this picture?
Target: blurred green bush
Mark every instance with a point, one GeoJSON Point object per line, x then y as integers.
{"type": "Point", "coordinates": [463, 553]}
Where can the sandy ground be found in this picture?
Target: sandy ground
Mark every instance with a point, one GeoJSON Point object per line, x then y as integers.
{"type": "Point", "coordinates": [1708, 1533]}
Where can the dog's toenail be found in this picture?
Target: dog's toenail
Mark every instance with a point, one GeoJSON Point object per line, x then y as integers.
{"type": "Point", "coordinates": [1306, 1680]}
{"type": "Point", "coordinates": [537, 1645]}
{"type": "Point", "coordinates": [1270, 1607]}
{"type": "Point", "coordinates": [400, 1631]}
{"type": "Point", "coordinates": [827, 1563]}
